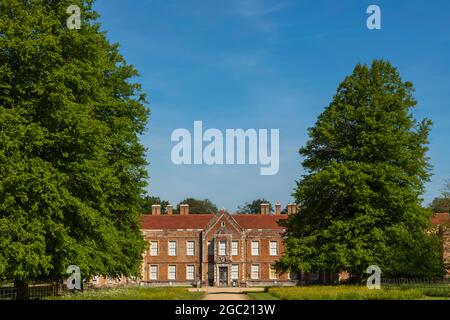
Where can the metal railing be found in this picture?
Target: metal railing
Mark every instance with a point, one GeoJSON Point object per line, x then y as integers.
{"type": "Point", "coordinates": [35, 291]}
{"type": "Point", "coordinates": [427, 284]}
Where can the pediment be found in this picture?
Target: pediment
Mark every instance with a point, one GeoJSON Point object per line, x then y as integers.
{"type": "Point", "coordinates": [230, 225]}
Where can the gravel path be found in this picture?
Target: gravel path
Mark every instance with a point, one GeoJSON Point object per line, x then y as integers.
{"type": "Point", "coordinates": [227, 293]}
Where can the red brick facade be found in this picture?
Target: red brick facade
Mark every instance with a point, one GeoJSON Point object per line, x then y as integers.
{"type": "Point", "coordinates": [442, 221]}
{"type": "Point", "coordinates": [216, 249]}
{"type": "Point", "coordinates": [229, 260]}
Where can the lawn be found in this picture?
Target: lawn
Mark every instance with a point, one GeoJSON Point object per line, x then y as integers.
{"type": "Point", "coordinates": [348, 293]}
{"type": "Point", "coordinates": [134, 293]}
{"type": "Point", "coordinates": [261, 296]}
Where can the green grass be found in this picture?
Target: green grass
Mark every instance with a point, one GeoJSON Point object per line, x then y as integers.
{"type": "Point", "coordinates": [274, 293]}
{"type": "Point", "coordinates": [134, 293]}
{"type": "Point", "coordinates": [261, 296]}
{"type": "Point", "coordinates": [347, 293]}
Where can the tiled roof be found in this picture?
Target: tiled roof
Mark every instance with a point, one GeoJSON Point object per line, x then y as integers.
{"type": "Point", "coordinates": [199, 221]}
{"type": "Point", "coordinates": [257, 221]}
{"type": "Point", "coordinates": [246, 221]}
{"type": "Point", "coordinates": [176, 221]}
{"type": "Point", "coordinates": [440, 218]}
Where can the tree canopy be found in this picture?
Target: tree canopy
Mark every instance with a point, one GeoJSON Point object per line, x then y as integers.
{"type": "Point", "coordinates": [72, 168]}
{"type": "Point", "coordinates": [148, 201]}
{"type": "Point", "coordinates": [197, 206]}
{"type": "Point", "coordinates": [254, 207]}
{"type": "Point", "coordinates": [366, 166]}
{"type": "Point", "coordinates": [442, 203]}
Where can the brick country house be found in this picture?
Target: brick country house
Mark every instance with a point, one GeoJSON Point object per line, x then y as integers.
{"type": "Point", "coordinates": [227, 249]}
{"type": "Point", "coordinates": [219, 249]}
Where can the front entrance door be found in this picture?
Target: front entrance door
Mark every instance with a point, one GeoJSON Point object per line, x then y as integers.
{"type": "Point", "coordinates": [223, 276]}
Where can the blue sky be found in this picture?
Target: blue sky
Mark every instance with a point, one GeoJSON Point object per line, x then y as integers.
{"type": "Point", "coordinates": [270, 64]}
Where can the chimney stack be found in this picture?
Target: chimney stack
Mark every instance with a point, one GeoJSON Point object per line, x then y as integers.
{"type": "Point", "coordinates": [291, 208]}
{"type": "Point", "coordinates": [265, 208]}
{"type": "Point", "coordinates": [156, 209]}
{"type": "Point", "coordinates": [184, 209]}
{"type": "Point", "coordinates": [277, 208]}
{"type": "Point", "coordinates": [169, 209]}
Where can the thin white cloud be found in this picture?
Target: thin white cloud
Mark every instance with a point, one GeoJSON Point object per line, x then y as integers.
{"type": "Point", "coordinates": [237, 60]}
{"type": "Point", "coordinates": [257, 8]}
{"type": "Point", "coordinates": [260, 14]}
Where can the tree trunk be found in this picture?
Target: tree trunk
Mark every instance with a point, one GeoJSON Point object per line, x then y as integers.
{"type": "Point", "coordinates": [22, 292]}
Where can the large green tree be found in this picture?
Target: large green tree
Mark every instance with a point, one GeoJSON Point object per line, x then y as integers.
{"type": "Point", "coordinates": [366, 166]}
{"type": "Point", "coordinates": [72, 168]}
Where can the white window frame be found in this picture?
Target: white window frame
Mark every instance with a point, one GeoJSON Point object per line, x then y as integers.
{"type": "Point", "coordinates": [273, 251]}
{"type": "Point", "coordinates": [234, 272]}
{"type": "Point", "coordinates": [255, 250]}
{"type": "Point", "coordinates": [154, 248]}
{"type": "Point", "coordinates": [190, 270]}
{"type": "Point", "coordinates": [171, 269]}
{"type": "Point", "coordinates": [152, 267]}
{"type": "Point", "coordinates": [273, 276]}
{"type": "Point", "coordinates": [172, 250]}
{"type": "Point", "coordinates": [190, 251]}
{"type": "Point", "coordinates": [222, 248]}
{"type": "Point", "coordinates": [255, 272]}
{"type": "Point", "coordinates": [235, 248]}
